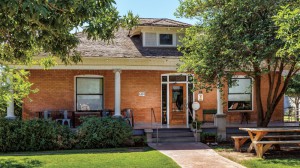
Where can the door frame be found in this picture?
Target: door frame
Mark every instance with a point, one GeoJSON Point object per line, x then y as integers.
{"type": "Point", "coordinates": [187, 82]}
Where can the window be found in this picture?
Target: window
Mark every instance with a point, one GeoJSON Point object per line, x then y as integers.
{"type": "Point", "coordinates": [240, 94]}
{"type": "Point", "coordinates": [150, 39]}
{"type": "Point", "coordinates": [89, 94]}
{"type": "Point", "coordinates": [165, 39]}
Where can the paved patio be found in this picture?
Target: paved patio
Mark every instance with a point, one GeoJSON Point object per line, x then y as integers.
{"type": "Point", "coordinates": [191, 155]}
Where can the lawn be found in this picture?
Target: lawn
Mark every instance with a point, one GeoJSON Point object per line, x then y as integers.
{"type": "Point", "coordinates": [123, 157]}
{"type": "Point", "coordinates": [286, 158]}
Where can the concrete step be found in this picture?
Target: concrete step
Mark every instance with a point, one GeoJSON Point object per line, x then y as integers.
{"type": "Point", "coordinates": [173, 139]}
{"type": "Point", "coordinates": [172, 134]}
{"type": "Point", "coordinates": [173, 129]}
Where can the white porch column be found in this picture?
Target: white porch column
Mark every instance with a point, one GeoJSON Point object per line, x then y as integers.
{"type": "Point", "coordinates": [219, 102]}
{"type": "Point", "coordinates": [11, 107]}
{"type": "Point", "coordinates": [117, 92]}
{"type": "Point", "coordinates": [220, 118]}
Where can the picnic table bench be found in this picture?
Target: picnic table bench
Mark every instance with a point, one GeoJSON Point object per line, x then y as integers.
{"type": "Point", "coordinates": [263, 146]}
{"type": "Point", "coordinates": [257, 134]}
{"type": "Point", "coordinates": [239, 141]}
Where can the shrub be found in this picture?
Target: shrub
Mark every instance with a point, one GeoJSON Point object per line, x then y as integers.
{"type": "Point", "coordinates": [103, 132]}
{"type": "Point", "coordinates": [34, 135]}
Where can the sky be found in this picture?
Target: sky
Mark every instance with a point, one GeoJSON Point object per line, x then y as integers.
{"type": "Point", "coordinates": [151, 9]}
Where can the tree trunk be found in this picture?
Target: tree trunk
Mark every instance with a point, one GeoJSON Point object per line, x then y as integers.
{"type": "Point", "coordinates": [259, 107]}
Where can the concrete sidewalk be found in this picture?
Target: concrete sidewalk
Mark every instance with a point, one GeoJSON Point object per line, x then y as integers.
{"type": "Point", "coordinates": [189, 155]}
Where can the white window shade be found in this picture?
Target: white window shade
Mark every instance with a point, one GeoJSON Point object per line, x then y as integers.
{"type": "Point", "coordinates": [150, 39]}
{"type": "Point", "coordinates": [89, 86]}
{"type": "Point", "coordinates": [239, 97]}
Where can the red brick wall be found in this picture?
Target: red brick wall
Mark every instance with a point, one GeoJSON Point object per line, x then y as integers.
{"type": "Point", "coordinates": [56, 92]}
{"type": "Point", "coordinates": [210, 102]}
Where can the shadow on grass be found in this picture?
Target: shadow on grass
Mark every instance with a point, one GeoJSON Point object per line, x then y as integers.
{"type": "Point", "coordinates": [81, 151]}
{"type": "Point", "coordinates": [25, 163]}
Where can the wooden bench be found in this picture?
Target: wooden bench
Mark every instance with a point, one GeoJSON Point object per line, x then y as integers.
{"type": "Point", "coordinates": [263, 146]}
{"type": "Point", "coordinates": [240, 140]}
{"type": "Point", "coordinates": [208, 112]}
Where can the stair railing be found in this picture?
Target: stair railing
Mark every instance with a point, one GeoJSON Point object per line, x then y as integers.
{"type": "Point", "coordinates": [194, 121]}
{"type": "Point", "coordinates": [153, 115]}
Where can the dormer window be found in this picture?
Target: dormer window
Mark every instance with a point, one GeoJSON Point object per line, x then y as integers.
{"type": "Point", "coordinates": [160, 39]}
{"type": "Point", "coordinates": [166, 39]}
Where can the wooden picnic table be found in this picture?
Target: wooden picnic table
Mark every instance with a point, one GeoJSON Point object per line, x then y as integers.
{"type": "Point", "coordinates": [257, 134]}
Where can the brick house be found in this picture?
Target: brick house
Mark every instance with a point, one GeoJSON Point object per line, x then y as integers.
{"type": "Point", "coordinates": [138, 71]}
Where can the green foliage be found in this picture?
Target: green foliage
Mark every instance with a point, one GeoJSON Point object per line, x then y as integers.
{"type": "Point", "coordinates": [199, 123]}
{"type": "Point", "coordinates": [34, 135]}
{"type": "Point", "coordinates": [130, 21]}
{"type": "Point", "coordinates": [16, 80]}
{"type": "Point", "coordinates": [43, 28]}
{"type": "Point", "coordinates": [103, 132]}
{"type": "Point", "coordinates": [32, 27]}
{"type": "Point", "coordinates": [294, 87]}
{"type": "Point", "coordinates": [257, 37]}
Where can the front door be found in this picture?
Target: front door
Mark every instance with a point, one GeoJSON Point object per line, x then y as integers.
{"type": "Point", "coordinates": [177, 106]}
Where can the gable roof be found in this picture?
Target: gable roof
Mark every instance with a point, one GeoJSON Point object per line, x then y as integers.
{"type": "Point", "coordinates": [161, 22]}
{"type": "Point", "coordinates": [123, 47]}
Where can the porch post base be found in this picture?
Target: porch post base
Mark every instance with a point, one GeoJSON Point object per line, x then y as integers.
{"type": "Point", "coordinates": [10, 117]}
{"type": "Point", "coordinates": [117, 116]}
{"type": "Point", "coordinates": [220, 123]}
{"type": "Point", "coordinates": [148, 133]}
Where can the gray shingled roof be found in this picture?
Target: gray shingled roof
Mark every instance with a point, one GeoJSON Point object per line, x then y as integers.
{"type": "Point", "coordinates": [161, 22]}
{"type": "Point", "coordinates": [123, 46]}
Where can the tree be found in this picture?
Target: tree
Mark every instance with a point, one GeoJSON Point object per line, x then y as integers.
{"type": "Point", "coordinates": [242, 36]}
{"type": "Point", "coordinates": [29, 28]}
{"type": "Point", "coordinates": [293, 90]}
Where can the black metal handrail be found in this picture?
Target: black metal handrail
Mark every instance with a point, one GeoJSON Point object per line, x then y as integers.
{"type": "Point", "coordinates": [153, 115]}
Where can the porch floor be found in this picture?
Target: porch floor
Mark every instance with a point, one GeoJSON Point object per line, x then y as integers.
{"type": "Point", "coordinates": [271, 124]}
{"type": "Point", "coordinates": [211, 125]}
{"type": "Point", "coordinates": [154, 126]}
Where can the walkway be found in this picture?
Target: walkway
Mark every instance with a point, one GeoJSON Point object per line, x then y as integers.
{"type": "Point", "coordinates": [192, 155]}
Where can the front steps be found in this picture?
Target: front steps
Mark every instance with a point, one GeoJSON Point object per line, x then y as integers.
{"type": "Point", "coordinates": [166, 135]}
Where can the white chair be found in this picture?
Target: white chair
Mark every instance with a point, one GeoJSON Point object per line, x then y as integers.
{"type": "Point", "coordinates": [65, 119]}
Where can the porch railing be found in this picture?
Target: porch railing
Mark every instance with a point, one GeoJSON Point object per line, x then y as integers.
{"type": "Point", "coordinates": [153, 116]}
{"type": "Point", "coordinates": [194, 121]}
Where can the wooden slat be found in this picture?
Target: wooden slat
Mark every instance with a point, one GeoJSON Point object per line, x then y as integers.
{"type": "Point", "coordinates": [277, 142]}
{"type": "Point", "coordinates": [282, 129]}
{"type": "Point", "coordinates": [239, 137]}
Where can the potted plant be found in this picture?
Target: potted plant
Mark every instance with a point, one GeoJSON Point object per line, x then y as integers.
{"type": "Point", "coordinates": [208, 137]}
{"type": "Point", "coordinates": [196, 129]}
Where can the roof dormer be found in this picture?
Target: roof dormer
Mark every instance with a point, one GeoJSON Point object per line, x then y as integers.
{"type": "Point", "coordinates": [159, 32]}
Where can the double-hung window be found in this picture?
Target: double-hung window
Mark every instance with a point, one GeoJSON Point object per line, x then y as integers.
{"type": "Point", "coordinates": [240, 94]}
{"type": "Point", "coordinates": [165, 39]}
{"type": "Point", "coordinates": [89, 93]}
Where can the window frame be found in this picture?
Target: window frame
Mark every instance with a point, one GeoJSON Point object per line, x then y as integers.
{"type": "Point", "coordinates": [100, 94]}
{"type": "Point", "coordinates": [158, 33]}
{"type": "Point", "coordinates": [159, 39]}
{"type": "Point", "coordinates": [251, 94]}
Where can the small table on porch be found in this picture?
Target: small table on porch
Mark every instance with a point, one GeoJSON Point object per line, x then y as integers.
{"type": "Point", "coordinates": [257, 134]}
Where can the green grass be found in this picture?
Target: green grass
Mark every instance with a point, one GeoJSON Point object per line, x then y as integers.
{"type": "Point", "coordinates": [272, 163]}
{"type": "Point", "coordinates": [275, 159]}
{"type": "Point", "coordinates": [103, 158]}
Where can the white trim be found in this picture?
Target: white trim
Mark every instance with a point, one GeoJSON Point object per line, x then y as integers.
{"type": "Point", "coordinates": [168, 94]}
{"type": "Point", "coordinates": [88, 76]}
{"type": "Point", "coordinates": [106, 63]}
{"type": "Point", "coordinates": [158, 32]}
